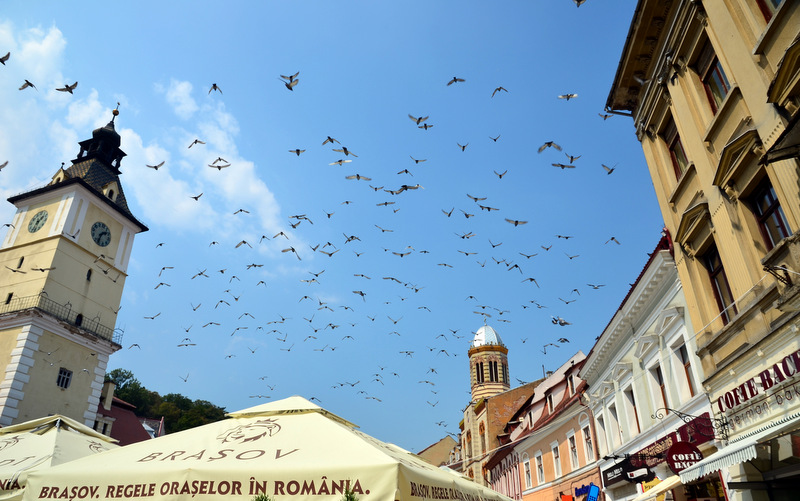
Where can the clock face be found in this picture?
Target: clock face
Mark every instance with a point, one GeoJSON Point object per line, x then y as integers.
{"type": "Point", "coordinates": [100, 234]}
{"type": "Point", "coordinates": [37, 221]}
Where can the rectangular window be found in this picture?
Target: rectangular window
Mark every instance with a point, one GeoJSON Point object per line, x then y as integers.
{"type": "Point", "coordinates": [677, 153]}
{"type": "Point", "coordinates": [658, 379]}
{"type": "Point", "coordinates": [64, 378]}
{"type": "Point", "coordinates": [769, 214]}
{"type": "Point", "coordinates": [8, 298]}
{"type": "Point", "coordinates": [528, 479]}
{"type": "Point", "coordinates": [550, 403]}
{"type": "Point", "coordinates": [601, 435]}
{"type": "Point", "coordinates": [616, 430]}
{"type": "Point", "coordinates": [587, 441]}
{"type": "Point", "coordinates": [556, 460]}
{"type": "Point", "coordinates": [571, 384]}
{"type": "Point", "coordinates": [768, 7]}
{"type": "Point", "coordinates": [713, 76]}
{"type": "Point", "coordinates": [683, 356]}
{"type": "Point", "coordinates": [573, 451]}
{"type": "Point", "coordinates": [539, 469]}
{"type": "Point", "coordinates": [633, 415]}
{"type": "Point", "coordinates": [719, 283]}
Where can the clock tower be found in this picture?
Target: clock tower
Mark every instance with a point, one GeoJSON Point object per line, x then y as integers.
{"type": "Point", "coordinates": [63, 265]}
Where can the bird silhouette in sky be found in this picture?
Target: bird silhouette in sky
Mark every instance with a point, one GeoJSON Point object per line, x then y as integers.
{"type": "Point", "coordinates": [455, 80]}
{"type": "Point", "coordinates": [67, 88]}
{"type": "Point", "coordinates": [214, 87]}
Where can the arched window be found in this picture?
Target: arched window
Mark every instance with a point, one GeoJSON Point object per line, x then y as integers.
{"type": "Point", "coordinates": [482, 432]}
{"type": "Point", "coordinates": [111, 194]}
{"type": "Point", "coordinates": [79, 320]}
{"type": "Point", "coordinates": [88, 274]}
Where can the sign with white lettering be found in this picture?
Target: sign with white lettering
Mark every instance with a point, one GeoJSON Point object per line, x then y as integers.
{"type": "Point", "coordinates": [682, 455]}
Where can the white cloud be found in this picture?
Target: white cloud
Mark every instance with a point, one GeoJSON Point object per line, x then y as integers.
{"type": "Point", "coordinates": [39, 130]}
{"type": "Point", "coordinates": [179, 96]}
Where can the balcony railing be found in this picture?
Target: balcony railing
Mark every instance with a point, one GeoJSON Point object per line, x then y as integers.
{"type": "Point", "coordinates": [64, 313]}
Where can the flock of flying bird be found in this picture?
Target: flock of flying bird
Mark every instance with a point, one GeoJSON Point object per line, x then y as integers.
{"type": "Point", "coordinates": [223, 289]}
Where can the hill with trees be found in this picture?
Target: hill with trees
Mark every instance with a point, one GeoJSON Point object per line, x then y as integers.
{"type": "Point", "coordinates": [179, 411]}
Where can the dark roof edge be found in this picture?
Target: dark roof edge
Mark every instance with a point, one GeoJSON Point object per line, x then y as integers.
{"type": "Point", "coordinates": [636, 12]}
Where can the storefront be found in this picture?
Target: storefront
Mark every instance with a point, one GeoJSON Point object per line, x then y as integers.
{"type": "Point", "coordinates": [652, 473]}
{"type": "Point", "coordinates": [761, 460]}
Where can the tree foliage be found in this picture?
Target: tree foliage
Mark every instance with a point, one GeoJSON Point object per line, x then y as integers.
{"type": "Point", "coordinates": [179, 412]}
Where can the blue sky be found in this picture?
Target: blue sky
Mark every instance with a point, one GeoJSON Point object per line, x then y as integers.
{"type": "Point", "coordinates": [363, 68]}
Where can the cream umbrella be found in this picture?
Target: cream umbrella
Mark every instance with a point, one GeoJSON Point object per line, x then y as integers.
{"type": "Point", "coordinates": [43, 443]}
{"type": "Point", "coordinates": [288, 449]}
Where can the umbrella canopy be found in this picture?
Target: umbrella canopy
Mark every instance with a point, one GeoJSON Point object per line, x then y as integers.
{"type": "Point", "coordinates": [289, 449]}
{"type": "Point", "coordinates": [42, 443]}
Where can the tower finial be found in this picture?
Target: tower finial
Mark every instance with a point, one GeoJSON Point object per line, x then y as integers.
{"type": "Point", "coordinates": [115, 112]}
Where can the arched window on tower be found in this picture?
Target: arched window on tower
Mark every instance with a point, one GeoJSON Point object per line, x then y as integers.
{"type": "Point", "coordinates": [479, 372]}
{"type": "Point", "coordinates": [493, 375]}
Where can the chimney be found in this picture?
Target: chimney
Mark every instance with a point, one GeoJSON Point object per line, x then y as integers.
{"type": "Point", "coordinates": [108, 394]}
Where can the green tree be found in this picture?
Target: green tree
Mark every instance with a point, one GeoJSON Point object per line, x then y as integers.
{"type": "Point", "coordinates": [179, 412]}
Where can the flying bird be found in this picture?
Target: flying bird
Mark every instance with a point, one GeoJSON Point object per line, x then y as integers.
{"type": "Point", "coordinates": [5, 58]}
{"type": "Point", "coordinates": [67, 88]}
{"type": "Point", "coordinates": [157, 166]}
{"type": "Point", "coordinates": [515, 222]}
{"type": "Point", "coordinates": [26, 85]}
{"type": "Point", "coordinates": [567, 97]}
{"type": "Point", "coordinates": [498, 90]}
{"type": "Point", "coordinates": [463, 146]}
{"type": "Point", "coordinates": [344, 150]}
{"type": "Point", "coordinates": [454, 80]}
{"type": "Point", "coordinates": [608, 169]}
{"type": "Point", "coordinates": [329, 139]}
{"type": "Point", "coordinates": [215, 87]}
{"type": "Point", "coordinates": [196, 141]}
{"type": "Point", "coordinates": [501, 174]}
{"type": "Point", "coordinates": [549, 144]}
{"type": "Point", "coordinates": [297, 151]}
{"type": "Point", "coordinates": [417, 120]}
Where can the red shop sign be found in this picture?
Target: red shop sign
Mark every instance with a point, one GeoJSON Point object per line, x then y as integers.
{"type": "Point", "coordinates": [682, 455]}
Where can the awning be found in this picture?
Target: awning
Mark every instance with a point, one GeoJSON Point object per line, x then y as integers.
{"type": "Point", "coordinates": [665, 485]}
{"type": "Point", "coordinates": [735, 453]}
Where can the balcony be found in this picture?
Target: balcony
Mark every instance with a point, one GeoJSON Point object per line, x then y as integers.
{"type": "Point", "coordinates": [63, 313]}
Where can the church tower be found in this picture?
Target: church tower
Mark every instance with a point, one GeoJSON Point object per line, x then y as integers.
{"type": "Point", "coordinates": [63, 265]}
{"type": "Point", "coordinates": [488, 361]}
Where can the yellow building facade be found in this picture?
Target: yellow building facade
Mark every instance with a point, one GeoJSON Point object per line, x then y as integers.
{"type": "Point", "coordinates": [63, 264]}
{"type": "Point", "coordinates": [713, 89]}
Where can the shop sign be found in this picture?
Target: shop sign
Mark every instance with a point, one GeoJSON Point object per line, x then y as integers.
{"type": "Point", "coordinates": [627, 471]}
{"type": "Point", "coordinates": [775, 388]}
{"type": "Point", "coordinates": [583, 490]}
{"type": "Point", "coordinates": [594, 493]}
{"type": "Point", "coordinates": [683, 455]}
